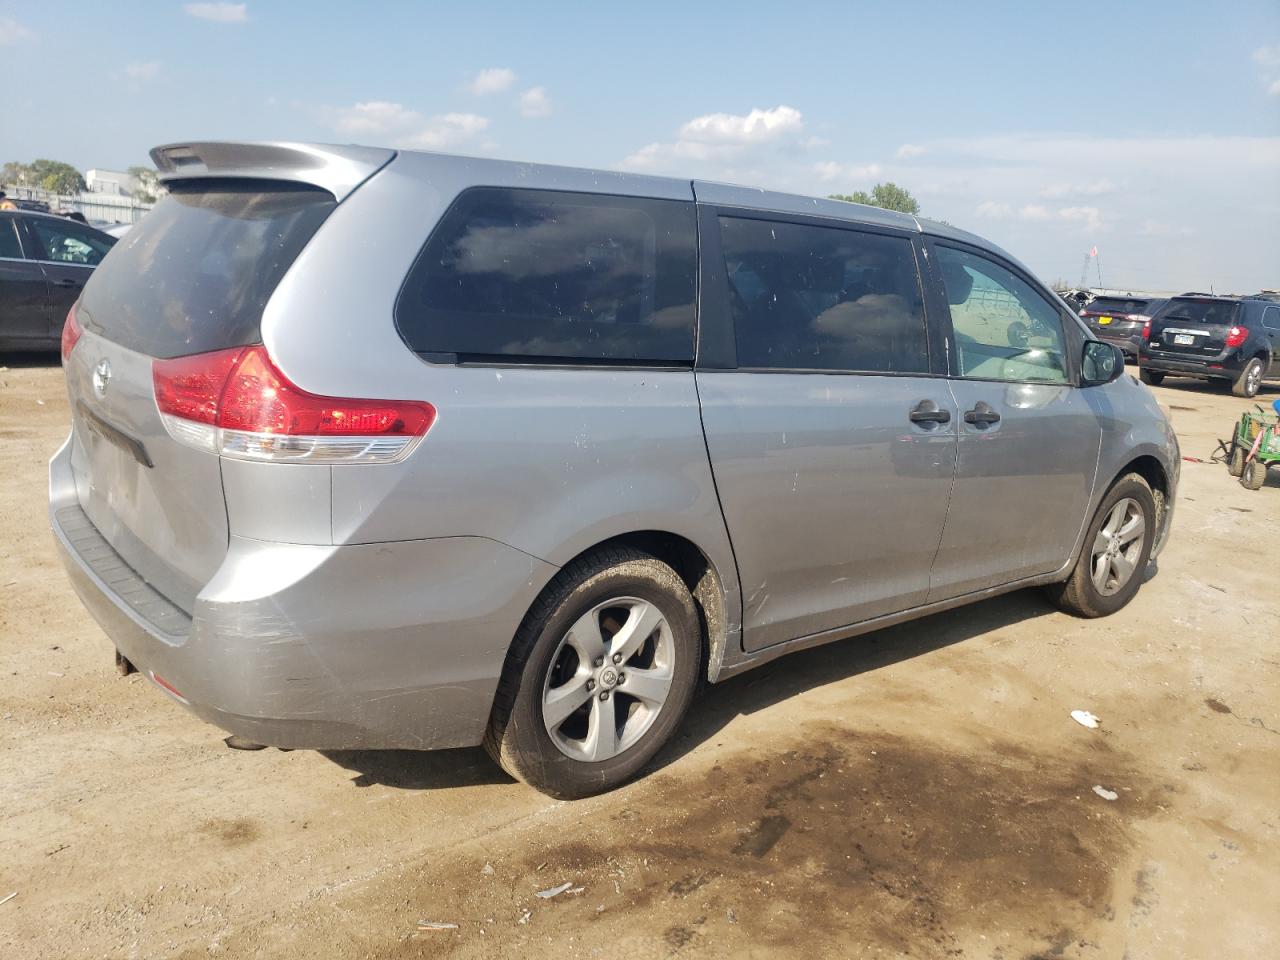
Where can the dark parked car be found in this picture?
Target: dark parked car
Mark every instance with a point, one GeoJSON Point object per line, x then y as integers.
{"type": "Point", "coordinates": [44, 262]}
{"type": "Point", "coordinates": [1121, 320]}
{"type": "Point", "coordinates": [1232, 339]}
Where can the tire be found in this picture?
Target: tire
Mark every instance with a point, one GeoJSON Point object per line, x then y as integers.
{"type": "Point", "coordinates": [1254, 475]}
{"type": "Point", "coordinates": [606, 589]}
{"type": "Point", "coordinates": [1250, 380]}
{"type": "Point", "coordinates": [1152, 378]}
{"type": "Point", "coordinates": [1235, 465]}
{"type": "Point", "coordinates": [1080, 594]}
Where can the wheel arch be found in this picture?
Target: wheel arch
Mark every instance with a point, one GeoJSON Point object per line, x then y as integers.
{"type": "Point", "coordinates": [1154, 472]}
{"type": "Point", "coordinates": [699, 573]}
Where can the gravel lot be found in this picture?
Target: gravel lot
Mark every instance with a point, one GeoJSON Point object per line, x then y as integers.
{"type": "Point", "coordinates": [919, 791]}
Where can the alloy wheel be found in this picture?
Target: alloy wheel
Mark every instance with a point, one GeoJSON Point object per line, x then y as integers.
{"type": "Point", "coordinates": [609, 679]}
{"type": "Point", "coordinates": [1117, 547]}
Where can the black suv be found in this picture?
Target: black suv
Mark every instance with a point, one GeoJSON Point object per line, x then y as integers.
{"type": "Point", "coordinates": [44, 262]}
{"type": "Point", "coordinates": [1236, 339]}
{"type": "Point", "coordinates": [1121, 320]}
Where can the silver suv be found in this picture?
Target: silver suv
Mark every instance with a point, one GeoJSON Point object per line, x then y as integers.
{"type": "Point", "coordinates": [377, 449]}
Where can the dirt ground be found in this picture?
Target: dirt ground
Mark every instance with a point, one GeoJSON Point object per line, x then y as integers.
{"type": "Point", "coordinates": [918, 792]}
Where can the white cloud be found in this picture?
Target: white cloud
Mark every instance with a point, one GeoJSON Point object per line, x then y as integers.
{"type": "Point", "coordinates": [13, 33]}
{"type": "Point", "coordinates": [142, 71]}
{"type": "Point", "coordinates": [717, 140]}
{"type": "Point", "coordinates": [992, 210]}
{"type": "Point", "coordinates": [535, 103]}
{"type": "Point", "coordinates": [755, 127]}
{"type": "Point", "coordinates": [1156, 228]}
{"type": "Point", "coordinates": [1274, 89]}
{"type": "Point", "coordinates": [1059, 191]}
{"type": "Point", "coordinates": [999, 210]}
{"type": "Point", "coordinates": [811, 143]}
{"type": "Point", "coordinates": [1088, 216]}
{"type": "Point", "coordinates": [1268, 57]}
{"type": "Point", "coordinates": [218, 12]}
{"type": "Point", "coordinates": [909, 151]}
{"type": "Point", "coordinates": [373, 116]}
{"type": "Point", "coordinates": [445, 130]}
{"type": "Point", "coordinates": [492, 80]}
{"type": "Point", "coordinates": [828, 170]}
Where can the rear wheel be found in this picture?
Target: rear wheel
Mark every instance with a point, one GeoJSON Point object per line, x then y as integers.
{"type": "Point", "coordinates": [600, 675]}
{"type": "Point", "coordinates": [1235, 466]}
{"type": "Point", "coordinates": [1250, 380]}
{"type": "Point", "coordinates": [1116, 550]}
{"type": "Point", "coordinates": [1152, 378]}
{"type": "Point", "coordinates": [1254, 475]}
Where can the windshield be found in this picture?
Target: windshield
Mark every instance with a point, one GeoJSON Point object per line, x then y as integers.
{"type": "Point", "coordinates": [1117, 305]}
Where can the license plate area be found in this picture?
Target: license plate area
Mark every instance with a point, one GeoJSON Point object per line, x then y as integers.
{"type": "Point", "coordinates": [1103, 321]}
{"type": "Point", "coordinates": [1183, 339]}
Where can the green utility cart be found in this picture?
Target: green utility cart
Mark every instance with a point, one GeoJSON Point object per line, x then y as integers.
{"type": "Point", "coordinates": [1255, 447]}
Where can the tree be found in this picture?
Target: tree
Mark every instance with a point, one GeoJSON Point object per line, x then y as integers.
{"type": "Point", "coordinates": [14, 172]}
{"type": "Point", "coordinates": [146, 184]}
{"type": "Point", "coordinates": [56, 176]}
{"type": "Point", "coordinates": [890, 196]}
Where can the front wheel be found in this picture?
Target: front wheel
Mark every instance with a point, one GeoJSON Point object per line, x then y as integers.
{"type": "Point", "coordinates": [600, 675]}
{"type": "Point", "coordinates": [1152, 378]}
{"type": "Point", "coordinates": [1254, 475]}
{"type": "Point", "coordinates": [1250, 380]}
{"type": "Point", "coordinates": [1116, 549]}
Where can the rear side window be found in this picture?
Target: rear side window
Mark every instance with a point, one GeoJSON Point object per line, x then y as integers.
{"type": "Point", "coordinates": [9, 246]}
{"type": "Point", "coordinates": [1271, 318]}
{"type": "Point", "coordinates": [823, 298]}
{"type": "Point", "coordinates": [544, 276]}
{"type": "Point", "coordinates": [196, 272]}
{"type": "Point", "coordinates": [1201, 311]}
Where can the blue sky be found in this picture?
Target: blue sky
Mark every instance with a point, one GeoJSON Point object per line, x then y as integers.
{"type": "Point", "coordinates": [1151, 130]}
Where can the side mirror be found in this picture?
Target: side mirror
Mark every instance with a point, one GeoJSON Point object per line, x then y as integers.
{"type": "Point", "coordinates": [1102, 363]}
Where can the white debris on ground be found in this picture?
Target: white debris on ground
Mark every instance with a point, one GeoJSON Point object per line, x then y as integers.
{"type": "Point", "coordinates": [1085, 719]}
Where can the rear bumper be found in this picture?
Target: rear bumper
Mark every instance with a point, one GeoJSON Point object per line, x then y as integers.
{"type": "Point", "coordinates": [388, 645]}
{"type": "Point", "coordinates": [1226, 367]}
{"type": "Point", "coordinates": [1128, 343]}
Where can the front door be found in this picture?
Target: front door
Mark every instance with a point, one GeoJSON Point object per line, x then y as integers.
{"type": "Point", "coordinates": [1029, 440]}
{"type": "Point", "coordinates": [832, 441]}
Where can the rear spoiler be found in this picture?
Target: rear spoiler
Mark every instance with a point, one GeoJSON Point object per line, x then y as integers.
{"type": "Point", "coordinates": [338, 169]}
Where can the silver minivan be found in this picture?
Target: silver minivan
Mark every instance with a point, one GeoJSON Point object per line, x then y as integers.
{"type": "Point", "coordinates": [401, 450]}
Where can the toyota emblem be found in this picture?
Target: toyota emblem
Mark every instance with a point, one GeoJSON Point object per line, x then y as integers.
{"type": "Point", "coordinates": [101, 377]}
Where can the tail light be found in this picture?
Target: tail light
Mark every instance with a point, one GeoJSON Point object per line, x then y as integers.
{"type": "Point", "coordinates": [1146, 328]}
{"type": "Point", "coordinates": [1237, 336]}
{"type": "Point", "coordinates": [70, 333]}
{"type": "Point", "coordinates": [236, 403]}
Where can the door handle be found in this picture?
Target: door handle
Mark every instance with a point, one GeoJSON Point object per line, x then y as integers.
{"type": "Point", "coordinates": [66, 282]}
{"type": "Point", "coordinates": [926, 411]}
{"type": "Point", "coordinates": [982, 415]}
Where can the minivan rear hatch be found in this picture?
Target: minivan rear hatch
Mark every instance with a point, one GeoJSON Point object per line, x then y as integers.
{"type": "Point", "coordinates": [1194, 327]}
{"type": "Point", "coordinates": [193, 276]}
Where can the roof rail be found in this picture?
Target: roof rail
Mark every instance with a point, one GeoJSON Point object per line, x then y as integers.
{"type": "Point", "coordinates": [338, 169]}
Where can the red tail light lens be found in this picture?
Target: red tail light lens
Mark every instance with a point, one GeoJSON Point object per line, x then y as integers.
{"type": "Point", "coordinates": [70, 333]}
{"type": "Point", "coordinates": [250, 410]}
{"type": "Point", "coordinates": [1146, 328]}
{"type": "Point", "coordinates": [1237, 336]}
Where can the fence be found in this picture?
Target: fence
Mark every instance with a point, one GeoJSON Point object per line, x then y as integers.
{"type": "Point", "coordinates": [106, 207]}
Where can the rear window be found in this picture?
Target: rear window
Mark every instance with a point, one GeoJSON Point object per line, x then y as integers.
{"type": "Point", "coordinates": [551, 277]}
{"type": "Point", "coordinates": [1201, 311]}
{"type": "Point", "coordinates": [195, 274]}
{"type": "Point", "coordinates": [1116, 305]}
